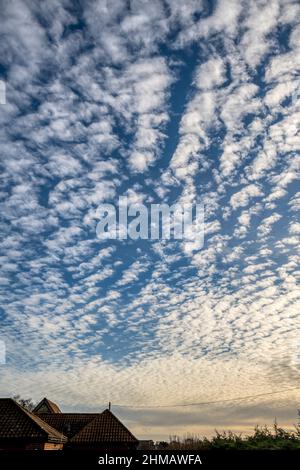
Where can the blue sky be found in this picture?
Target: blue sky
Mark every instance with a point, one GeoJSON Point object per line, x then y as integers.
{"type": "Point", "coordinates": [161, 101]}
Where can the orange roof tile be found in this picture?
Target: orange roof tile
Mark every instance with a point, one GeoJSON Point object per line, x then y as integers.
{"type": "Point", "coordinates": [104, 428]}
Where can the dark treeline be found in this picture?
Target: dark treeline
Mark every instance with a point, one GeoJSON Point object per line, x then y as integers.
{"type": "Point", "coordinates": [263, 438]}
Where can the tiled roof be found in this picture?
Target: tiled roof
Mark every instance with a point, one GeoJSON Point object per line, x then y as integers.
{"type": "Point", "coordinates": [18, 423]}
{"type": "Point", "coordinates": [104, 428]}
{"type": "Point", "coordinates": [45, 403]}
{"type": "Point", "coordinates": [68, 423]}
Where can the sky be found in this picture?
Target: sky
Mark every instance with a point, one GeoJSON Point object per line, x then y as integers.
{"type": "Point", "coordinates": [161, 101]}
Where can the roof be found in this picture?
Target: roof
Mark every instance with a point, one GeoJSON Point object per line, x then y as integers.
{"type": "Point", "coordinates": [46, 406]}
{"type": "Point", "coordinates": [104, 428]}
{"type": "Point", "coordinates": [68, 423]}
{"type": "Point", "coordinates": [18, 423]}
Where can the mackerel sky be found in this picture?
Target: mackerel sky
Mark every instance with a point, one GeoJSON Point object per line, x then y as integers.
{"type": "Point", "coordinates": [161, 101]}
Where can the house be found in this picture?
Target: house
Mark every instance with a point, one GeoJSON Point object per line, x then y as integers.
{"type": "Point", "coordinates": [21, 429]}
{"type": "Point", "coordinates": [146, 444]}
{"type": "Point", "coordinates": [46, 406]}
{"type": "Point", "coordinates": [57, 430]}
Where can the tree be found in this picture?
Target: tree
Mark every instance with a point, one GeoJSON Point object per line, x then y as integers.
{"type": "Point", "coordinates": [27, 403]}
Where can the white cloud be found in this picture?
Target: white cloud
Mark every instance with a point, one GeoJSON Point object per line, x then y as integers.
{"type": "Point", "coordinates": [210, 74]}
{"type": "Point", "coordinates": [260, 20]}
{"type": "Point", "coordinates": [64, 165]}
{"type": "Point", "coordinates": [294, 227]}
{"type": "Point", "coordinates": [244, 196]}
{"type": "Point", "coordinates": [266, 226]}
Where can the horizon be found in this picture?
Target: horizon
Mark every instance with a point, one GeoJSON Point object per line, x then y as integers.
{"type": "Point", "coordinates": [161, 102]}
{"type": "Point", "coordinates": [194, 431]}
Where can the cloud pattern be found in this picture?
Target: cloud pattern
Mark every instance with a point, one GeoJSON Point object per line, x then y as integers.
{"type": "Point", "coordinates": [162, 101]}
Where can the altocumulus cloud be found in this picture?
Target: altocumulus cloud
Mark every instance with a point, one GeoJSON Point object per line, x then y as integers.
{"type": "Point", "coordinates": [162, 101]}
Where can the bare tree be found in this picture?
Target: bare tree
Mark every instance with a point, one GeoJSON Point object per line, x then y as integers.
{"type": "Point", "coordinates": [27, 403]}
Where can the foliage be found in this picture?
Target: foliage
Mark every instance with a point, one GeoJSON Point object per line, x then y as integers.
{"type": "Point", "coordinates": [263, 438]}
{"type": "Point", "coordinates": [25, 402]}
